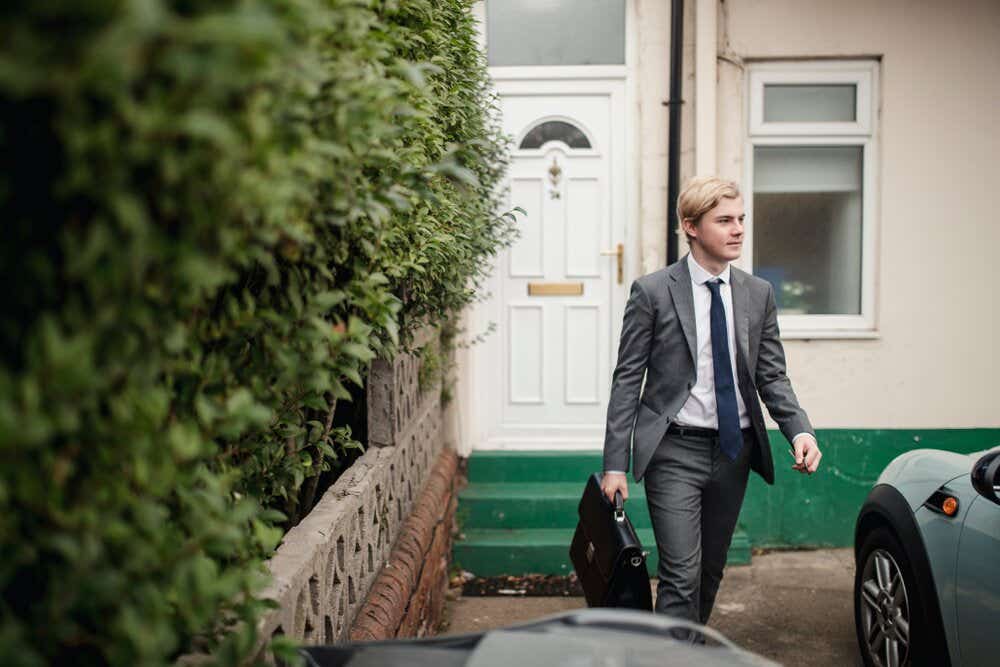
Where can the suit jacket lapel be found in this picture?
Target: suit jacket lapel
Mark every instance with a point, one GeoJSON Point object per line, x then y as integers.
{"type": "Point", "coordinates": [741, 313]}
{"type": "Point", "coordinates": [680, 293]}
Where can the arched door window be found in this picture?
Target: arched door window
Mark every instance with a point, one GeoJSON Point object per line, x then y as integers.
{"type": "Point", "coordinates": [555, 130]}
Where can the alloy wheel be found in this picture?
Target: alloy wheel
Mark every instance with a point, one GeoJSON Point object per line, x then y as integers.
{"type": "Point", "coordinates": [885, 610]}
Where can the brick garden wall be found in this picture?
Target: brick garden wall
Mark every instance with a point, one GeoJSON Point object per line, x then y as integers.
{"type": "Point", "coordinates": [371, 559]}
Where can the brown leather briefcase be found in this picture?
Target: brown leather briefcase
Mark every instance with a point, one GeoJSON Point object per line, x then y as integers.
{"type": "Point", "coordinates": [606, 553]}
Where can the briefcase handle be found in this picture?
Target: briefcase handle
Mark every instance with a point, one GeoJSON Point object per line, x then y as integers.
{"type": "Point", "coordinates": [619, 507]}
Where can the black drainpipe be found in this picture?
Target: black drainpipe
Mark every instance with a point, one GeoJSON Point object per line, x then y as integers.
{"type": "Point", "coordinates": [674, 146]}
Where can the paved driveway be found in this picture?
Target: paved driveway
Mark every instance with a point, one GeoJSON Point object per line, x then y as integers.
{"type": "Point", "coordinates": [794, 607]}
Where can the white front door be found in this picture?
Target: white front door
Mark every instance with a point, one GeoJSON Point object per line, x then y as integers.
{"type": "Point", "coordinates": [556, 295]}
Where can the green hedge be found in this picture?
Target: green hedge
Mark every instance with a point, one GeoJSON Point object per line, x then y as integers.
{"type": "Point", "coordinates": [216, 214]}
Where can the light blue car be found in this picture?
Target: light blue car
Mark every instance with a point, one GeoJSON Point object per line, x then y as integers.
{"type": "Point", "coordinates": [927, 555]}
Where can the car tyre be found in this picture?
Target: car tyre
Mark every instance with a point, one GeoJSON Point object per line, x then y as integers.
{"type": "Point", "coordinates": [888, 609]}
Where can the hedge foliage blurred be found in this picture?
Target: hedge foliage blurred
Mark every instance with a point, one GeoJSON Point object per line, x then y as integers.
{"type": "Point", "coordinates": [216, 213]}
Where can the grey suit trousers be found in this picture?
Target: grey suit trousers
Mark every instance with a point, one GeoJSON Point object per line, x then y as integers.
{"type": "Point", "coordinates": [694, 493]}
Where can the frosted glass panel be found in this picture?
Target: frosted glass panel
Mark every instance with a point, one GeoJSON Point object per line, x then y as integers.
{"type": "Point", "coordinates": [807, 226]}
{"type": "Point", "coordinates": [806, 168]}
{"type": "Point", "coordinates": [555, 32]}
{"type": "Point", "coordinates": [795, 103]}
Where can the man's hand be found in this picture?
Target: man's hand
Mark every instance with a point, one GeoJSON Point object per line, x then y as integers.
{"type": "Point", "coordinates": [807, 454]}
{"type": "Point", "coordinates": [614, 481]}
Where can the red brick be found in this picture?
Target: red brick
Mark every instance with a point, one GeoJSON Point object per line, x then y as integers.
{"type": "Point", "coordinates": [359, 634]}
{"type": "Point", "coordinates": [401, 580]}
{"type": "Point", "coordinates": [407, 598]}
{"type": "Point", "coordinates": [420, 619]}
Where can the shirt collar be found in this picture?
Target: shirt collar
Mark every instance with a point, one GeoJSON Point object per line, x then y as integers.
{"type": "Point", "coordinates": [701, 275]}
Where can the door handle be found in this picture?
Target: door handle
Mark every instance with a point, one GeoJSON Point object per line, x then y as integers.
{"type": "Point", "coordinates": [618, 252]}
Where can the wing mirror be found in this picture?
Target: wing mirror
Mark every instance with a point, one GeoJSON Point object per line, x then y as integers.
{"type": "Point", "coordinates": [986, 475]}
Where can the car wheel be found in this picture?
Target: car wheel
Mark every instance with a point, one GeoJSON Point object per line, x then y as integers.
{"type": "Point", "coordinates": [887, 605]}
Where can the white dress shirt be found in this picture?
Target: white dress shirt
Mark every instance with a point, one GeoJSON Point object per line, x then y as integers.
{"type": "Point", "coordinates": [699, 409]}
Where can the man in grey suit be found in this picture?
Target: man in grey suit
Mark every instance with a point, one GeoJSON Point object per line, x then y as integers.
{"type": "Point", "coordinates": [705, 335]}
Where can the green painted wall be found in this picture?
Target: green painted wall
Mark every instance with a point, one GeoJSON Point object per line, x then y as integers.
{"type": "Point", "coordinates": [820, 510]}
{"type": "Point", "coordinates": [799, 510]}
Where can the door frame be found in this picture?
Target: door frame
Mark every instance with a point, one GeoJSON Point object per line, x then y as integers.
{"type": "Point", "coordinates": [477, 390]}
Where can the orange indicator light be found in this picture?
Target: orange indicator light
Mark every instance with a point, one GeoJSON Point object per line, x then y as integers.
{"type": "Point", "coordinates": [949, 506]}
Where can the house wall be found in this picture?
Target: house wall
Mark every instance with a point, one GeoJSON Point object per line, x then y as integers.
{"type": "Point", "coordinates": [926, 377]}
{"type": "Point", "coordinates": [935, 360]}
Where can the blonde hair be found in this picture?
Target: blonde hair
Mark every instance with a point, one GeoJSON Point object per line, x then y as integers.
{"type": "Point", "coordinates": [701, 194]}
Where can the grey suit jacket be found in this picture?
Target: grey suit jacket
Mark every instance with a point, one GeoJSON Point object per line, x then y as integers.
{"type": "Point", "coordinates": [658, 339]}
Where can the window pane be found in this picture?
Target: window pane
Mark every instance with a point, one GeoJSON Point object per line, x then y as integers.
{"type": "Point", "coordinates": [795, 103]}
{"type": "Point", "coordinates": [807, 226]}
{"type": "Point", "coordinates": [555, 129]}
{"type": "Point", "coordinates": [555, 32]}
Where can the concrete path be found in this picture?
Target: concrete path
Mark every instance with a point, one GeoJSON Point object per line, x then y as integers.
{"type": "Point", "coordinates": [794, 607]}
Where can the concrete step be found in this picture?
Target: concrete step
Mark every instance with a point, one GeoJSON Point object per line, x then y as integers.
{"type": "Point", "coordinates": [492, 552]}
{"type": "Point", "coordinates": [516, 505]}
{"type": "Point", "coordinates": [519, 511]}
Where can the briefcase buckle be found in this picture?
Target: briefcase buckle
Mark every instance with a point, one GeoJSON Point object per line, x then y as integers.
{"type": "Point", "coordinates": [636, 561]}
{"type": "Point", "coordinates": [619, 515]}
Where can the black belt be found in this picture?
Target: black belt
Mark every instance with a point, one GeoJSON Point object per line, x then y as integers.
{"type": "Point", "coordinates": [699, 432]}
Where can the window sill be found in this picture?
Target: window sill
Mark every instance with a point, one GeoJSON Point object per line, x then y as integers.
{"type": "Point", "coordinates": [830, 334]}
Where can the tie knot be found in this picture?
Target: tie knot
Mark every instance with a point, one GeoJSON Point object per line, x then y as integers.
{"type": "Point", "coordinates": [714, 284]}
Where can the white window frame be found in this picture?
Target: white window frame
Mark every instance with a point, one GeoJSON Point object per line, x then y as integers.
{"type": "Point", "coordinates": [862, 132]}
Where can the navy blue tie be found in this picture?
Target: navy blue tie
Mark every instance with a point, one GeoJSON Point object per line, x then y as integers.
{"type": "Point", "coordinates": [730, 436]}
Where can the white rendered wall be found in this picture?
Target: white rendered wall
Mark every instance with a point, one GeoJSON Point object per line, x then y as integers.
{"type": "Point", "coordinates": [653, 75]}
{"type": "Point", "coordinates": [935, 363]}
